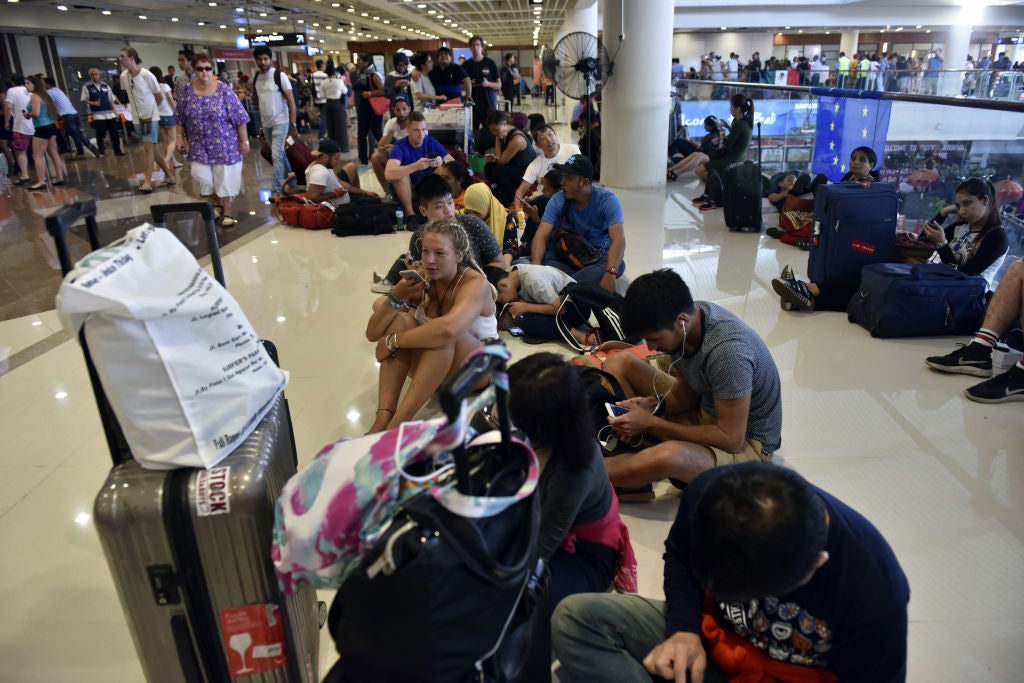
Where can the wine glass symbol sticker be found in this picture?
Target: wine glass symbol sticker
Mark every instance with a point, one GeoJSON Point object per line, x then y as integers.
{"type": "Point", "coordinates": [240, 642]}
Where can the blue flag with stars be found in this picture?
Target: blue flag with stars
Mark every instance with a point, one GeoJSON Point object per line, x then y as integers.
{"type": "Point", "coordinates": [847, 119]}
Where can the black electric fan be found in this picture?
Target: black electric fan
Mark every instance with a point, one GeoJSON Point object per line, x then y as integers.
{"type": "Point", "coordinates": [579, 66]}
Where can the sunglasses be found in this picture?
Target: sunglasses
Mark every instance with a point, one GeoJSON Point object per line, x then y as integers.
{"type": "Point", "coordinates": [204, 68]}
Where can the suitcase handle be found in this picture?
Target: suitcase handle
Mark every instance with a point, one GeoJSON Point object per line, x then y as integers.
{"type": "Point", "coordinates": [206, 212]}
{"type": "Point", "coordinates": [58, 224]}
{"type": "Point", "coordinates": [453, 393]}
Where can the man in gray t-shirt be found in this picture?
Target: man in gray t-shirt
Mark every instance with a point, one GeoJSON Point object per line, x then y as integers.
{"type": "Point", "coordinates": [722, 402]}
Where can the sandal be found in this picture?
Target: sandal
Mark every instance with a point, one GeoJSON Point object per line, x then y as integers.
{"type": "Point", "coordinates": [36, 188]}
{"type": "Point", "coordinates": [145, 190]}
{"type": "Point", "coordinates": [228, 221]}
{"type": "Point", "coordinates": [59, 182]}
{"type": "Point", "coordinates": [167, 183]}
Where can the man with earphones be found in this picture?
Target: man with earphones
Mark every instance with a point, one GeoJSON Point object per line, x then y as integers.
{"type": "Point", "coordinates": [722, 402]}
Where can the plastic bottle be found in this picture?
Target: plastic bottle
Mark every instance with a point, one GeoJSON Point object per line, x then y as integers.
{"type": "Point", "coordinates": [400, 219]}
{"type": "Point", "coordinates": [521, 219]}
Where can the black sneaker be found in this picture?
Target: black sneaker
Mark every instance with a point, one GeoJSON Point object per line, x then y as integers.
{"type": "Point", "coordinates": [1008, 386]}
{"type": "Point", "coordinates": [640, 494]}
{"type": "Point", "coordinates": [775, 232]}
{"type": "Point", "coordinates": [969, 359]}
{"type": "Point", "coordinates": [795, 293]}
{"type": "Point", "coordinates": [700, 200]}
{"type": "Point", "coordinates": [787, 273]}
{"type": "Point", "coordinates": [708, 206]}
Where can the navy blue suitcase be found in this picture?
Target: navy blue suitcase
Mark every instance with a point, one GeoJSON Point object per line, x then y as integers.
{"type": "Point", "coordinates": [854, 226]}
{"type": "Point", "coordinates": [923, 300]}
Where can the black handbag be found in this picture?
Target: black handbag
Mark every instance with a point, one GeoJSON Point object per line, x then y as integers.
{"type": "Point", "coordinates": [572, 248]}
{"type": "Point", "coordinates": [445, 598]}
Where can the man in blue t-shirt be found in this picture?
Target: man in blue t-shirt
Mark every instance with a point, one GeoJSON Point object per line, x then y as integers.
{"type": "Point", "coordinates": [592, 211]}
{"type": "Point", "coordinates": [450, 79]}
{"type": "Point", "coordinates": [411, 158]}
{"type": "Point", "coordinates": [766, 577]}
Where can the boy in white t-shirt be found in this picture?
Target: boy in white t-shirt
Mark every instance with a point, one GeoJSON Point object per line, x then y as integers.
{"type": "Point", "coordinates": [394, 130]}
{"type": "Point", "coordinates": [531, 294]}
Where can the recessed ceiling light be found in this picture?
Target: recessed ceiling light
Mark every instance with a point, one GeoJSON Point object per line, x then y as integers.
{"type": "Point", "coordinates": [282, 18]}
{"type": "Point", "coordinates": [918, 26]}
{"type": "Point", "coordinates": [241, 29]}
{"type": "Point", "coordinates": [106, 11]}
{"type": "Point", "coordinates": [800, 31]}
{"type": "Point", "coordinates": [447, 21]}
{"type": "Point", "coordinates": [387, 21]}
{"type": "Point", "coordinates": [300, 21]}
{"type": "Point", "coordinates": [212, 4]}
{"type": "Point", "coordinates": [352, 9]}
{"type": "Point", "coordinates": [174, 19]}
{"type": "Point", "coordinates": [259, 30]}
{"type": "Point", "coordinates": [263, 14]}
{"type": "Point", "coordinates": [62, 8]}
{"type": "Point", "coordinates": [787, 28]}
{"type": "Point", "coordinates": [335, 4]}
{"type": "Point", "coordinates": [328, 28]}
{"type": "Point", "coordinates": [431, 11]}
{"type": "Point", "coordinates": [421, 6]}
{"type": "Point", "coordinates": [143, 17]}
{"type": "Point", "coordinates": [200, 23]}
{"type": "Point", "coordinates": [239, 9]}
{"type": "Point", "coordinates": [929, 31]}
{"type": "Point", "coordinates": [364, 14]}
{"type": "Point", "coordinates": [222, 25]}
{"type": "Point", "coordinates": [723, 28]}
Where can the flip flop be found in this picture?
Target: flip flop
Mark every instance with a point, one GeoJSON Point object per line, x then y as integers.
{"type": "Point", "coordinates": [167, 183]}
{"type": "Point", "coordinates": [145, 190]}
{"type": "Point", "coordinates": [35, 188]}
{"type": "Point", "coordinates": [228, 222]}
{"type": "Point", "coordinates": [59, 182]}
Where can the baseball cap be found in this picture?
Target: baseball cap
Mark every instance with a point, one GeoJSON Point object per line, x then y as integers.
{"type": "Point", "coordinates": [577, 164]}
{"type": "Point", "coordinates": [328, 146]}
{"type": "Point", "coordinates": [400, 98]}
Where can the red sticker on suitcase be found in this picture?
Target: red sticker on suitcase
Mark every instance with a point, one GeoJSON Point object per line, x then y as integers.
{"type": "Point", "coordinates": [863, 247]}
{"type": "Point", "coordinates": [254, 636]}
{"type": "Point", "coordinates": [213, 492]}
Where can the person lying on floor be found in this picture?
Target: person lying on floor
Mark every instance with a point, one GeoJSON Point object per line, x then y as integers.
{"type": "Point", "coordinates": [975, 244]}
{"type": "Point", "coordinates": [582, 538]}
{"type": "Point", "coordinates": [530, 298]}
{"type": "Point", "coordinates": [1005, 310]}
{"type": "Point", "coordinates": [426, 326]}
{"type": "Point", "coordinates": [721, 404]}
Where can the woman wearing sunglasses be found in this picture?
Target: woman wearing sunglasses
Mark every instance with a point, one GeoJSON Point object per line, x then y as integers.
{"type": "Point", "coordinates": [211, 130]}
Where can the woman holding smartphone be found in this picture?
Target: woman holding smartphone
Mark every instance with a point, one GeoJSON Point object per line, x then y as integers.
{"type": "Point", "coordinates": [427, 325]}
{"type": "Point", "coordinates": [975, 243]}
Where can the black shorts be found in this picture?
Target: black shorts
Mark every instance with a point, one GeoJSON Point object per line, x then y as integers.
{"type": "Point", "coordinates": [45, 132]}
{"type": "Point", "coordinates": [343, 176]}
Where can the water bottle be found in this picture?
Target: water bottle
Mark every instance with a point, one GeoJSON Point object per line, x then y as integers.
{"type": "Point", "coordinates": [399, 219]}
{"type": "Point", "coordinates": [521, 219]}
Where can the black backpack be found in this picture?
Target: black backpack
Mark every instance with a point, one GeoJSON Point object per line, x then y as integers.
{"type": "Point", "coordinates": [601, 387]}
{"type": "Point", "coordinates": [588, 301]}
{"type": "Point", "coordinates": [364, 216]}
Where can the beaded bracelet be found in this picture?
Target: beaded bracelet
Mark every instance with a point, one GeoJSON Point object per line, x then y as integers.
{"type": "Point", "coordinates": [391, 342]}
{"type": "Point", "coordinates": [395, 302]}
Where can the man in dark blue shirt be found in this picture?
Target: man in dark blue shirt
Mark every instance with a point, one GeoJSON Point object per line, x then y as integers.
{"type": "Point", "coordinates": [411, 158]}
{"type": "Point", "coordinates": [483, 74]}
{"type": "Point", "coordinates": [450, 79]}
{"type": "Point", "coordinates": [766, 576]}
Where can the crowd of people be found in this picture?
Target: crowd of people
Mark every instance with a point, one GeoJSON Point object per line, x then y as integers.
{"type": "Point", "coordinates": [828, 599]}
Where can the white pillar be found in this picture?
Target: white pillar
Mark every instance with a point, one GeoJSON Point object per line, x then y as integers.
{"type": "Point", "coordinates": [848, 41]}
{"type": "Point", "coordinates": [635, 104]}
{"type": "Point", "coordinates": [958, 43]}
{"type": "Point", "coordinates": [581, 18]}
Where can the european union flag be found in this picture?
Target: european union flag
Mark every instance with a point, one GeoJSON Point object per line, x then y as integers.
{"type": "Point", "coordinates": [847, 119]}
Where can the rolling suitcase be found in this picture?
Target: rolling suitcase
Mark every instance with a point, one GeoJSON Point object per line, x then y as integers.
{"type": "Point", "coordinates": [189, 549]}
{"type": "Point", "coordinates": [741, 190]}
{"type": "Point", "coordinates": [923, 300]}
{"type": "Point", "coordinates": [854, 226]}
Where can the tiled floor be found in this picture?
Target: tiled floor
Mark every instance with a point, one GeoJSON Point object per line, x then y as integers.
{"type": "Point", "coordinates": [864, 419]}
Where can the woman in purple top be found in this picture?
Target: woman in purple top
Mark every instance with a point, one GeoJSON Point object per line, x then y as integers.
{"type": "Point", "coordinates": [211, 118]}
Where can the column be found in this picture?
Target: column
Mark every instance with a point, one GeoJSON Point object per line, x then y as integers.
{"type": "Point", "coordinates": [634, 114]}
{"type": "Point", "coordinates": [958, 42]}
{"type": "Point", "coordinates": [581, 18]}
{"type": "Point", "coordinates": [848, 41]}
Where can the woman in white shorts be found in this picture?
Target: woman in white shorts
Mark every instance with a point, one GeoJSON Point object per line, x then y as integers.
{"type": "Point", "coordinates": [211, 118]}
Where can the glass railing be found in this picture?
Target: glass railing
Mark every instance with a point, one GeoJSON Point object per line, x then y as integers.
{"type": "Point", "coordinates": [927, 144]}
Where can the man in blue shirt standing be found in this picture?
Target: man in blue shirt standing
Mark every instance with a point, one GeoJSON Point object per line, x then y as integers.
{"type": "Point", "coordinates": [592, 211]}
{"type": "Point", "coordinates": [413, 157]}
{"type": "Point", "coordinates": [450, 79]}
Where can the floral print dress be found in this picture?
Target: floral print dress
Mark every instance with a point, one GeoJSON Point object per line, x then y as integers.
{"type": "Point", "coordinates": [211, 124]}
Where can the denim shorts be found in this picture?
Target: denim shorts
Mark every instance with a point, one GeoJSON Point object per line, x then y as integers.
{"type": "Point", "coordinates": [167, 122]}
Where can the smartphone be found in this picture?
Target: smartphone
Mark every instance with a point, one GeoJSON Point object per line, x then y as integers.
{"type": "Point", "coordinates": [614, 410]}
{"type": "Point", "coordinates": [524, 200]}
{"type": "Point", "coordinates": [516, 331]}
{"type": "Point", "coordinates": [412, 275]}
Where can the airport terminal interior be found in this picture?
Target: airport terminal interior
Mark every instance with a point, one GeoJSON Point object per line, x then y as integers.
{"type": "Point", "coordinates": [864, 418]}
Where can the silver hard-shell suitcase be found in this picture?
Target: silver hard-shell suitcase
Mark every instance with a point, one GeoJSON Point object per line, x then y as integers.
{"type": "Point", "coordinates": [189, 549]}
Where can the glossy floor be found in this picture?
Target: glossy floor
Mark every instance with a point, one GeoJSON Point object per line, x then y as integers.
{"type": "Point", "coordinates": [864, 419]}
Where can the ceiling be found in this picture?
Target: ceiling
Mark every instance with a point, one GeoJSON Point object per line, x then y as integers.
{"type": "Point", "coordinates": [499, 22]}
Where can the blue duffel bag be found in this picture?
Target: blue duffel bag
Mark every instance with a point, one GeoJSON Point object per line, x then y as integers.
{"type": "Point", "coordinates": [923, 300]}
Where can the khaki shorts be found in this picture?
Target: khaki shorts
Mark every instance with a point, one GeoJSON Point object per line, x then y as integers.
{"type": "Point", "coordinates": [752, 451]}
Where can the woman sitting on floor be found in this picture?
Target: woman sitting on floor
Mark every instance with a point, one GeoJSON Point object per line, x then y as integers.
{"type": "Point", "coordinates": [974, 244]}
{"type": "Point", "coordinates": [582, 539]}
{"type": "Point", "coordinates": [426, 326]}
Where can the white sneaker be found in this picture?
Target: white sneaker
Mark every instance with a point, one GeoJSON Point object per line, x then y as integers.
{"type": "Point", "coordinates": [382, 287]}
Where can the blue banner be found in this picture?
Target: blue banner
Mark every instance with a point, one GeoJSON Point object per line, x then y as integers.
{"type": "Point", "coordinates": [777, 117]}
{"type": "Point", "coordinates": [843, 124]}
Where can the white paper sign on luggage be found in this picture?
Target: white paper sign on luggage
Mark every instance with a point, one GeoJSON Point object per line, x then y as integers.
{"type": "Point", "coordinates": [181, 365]}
